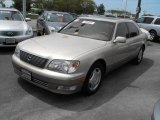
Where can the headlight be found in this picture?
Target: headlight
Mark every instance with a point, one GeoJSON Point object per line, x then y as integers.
{"type": "Point", "coordinates": [51, 29]}
{"type": "Point", "coordinates": [17, 52]}
{"type": "Point", "coordinates": [63, 66]}
{"type": "Point", "coordinates": [29, 31]}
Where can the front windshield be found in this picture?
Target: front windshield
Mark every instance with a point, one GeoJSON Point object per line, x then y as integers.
{"type": "Point", "coordinates": [10, 15]}
{"type": "Point", "coordinates": [58, 17]}
{"type": "Point", "coordinates": [99, 30]}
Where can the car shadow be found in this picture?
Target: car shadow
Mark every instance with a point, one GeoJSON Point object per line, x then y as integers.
{"type": "Point", "coordinates": [112, 85]}
{"type": "Point", "coordinates": [7, 50]}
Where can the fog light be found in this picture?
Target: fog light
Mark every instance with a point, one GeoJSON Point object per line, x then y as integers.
{"type": "Point", "coordinates": [72, 88]}
{"type": "Point", "coordinates": [60, 87]}
{"type": "Point", "coordinates": [68, 88]}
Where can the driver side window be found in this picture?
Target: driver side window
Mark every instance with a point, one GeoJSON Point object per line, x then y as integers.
{"type": "Point", "coordinates": [122, 30]}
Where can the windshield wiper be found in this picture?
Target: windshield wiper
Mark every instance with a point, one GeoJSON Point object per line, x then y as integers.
{"type": "Point", "coordinates": [70, 27]}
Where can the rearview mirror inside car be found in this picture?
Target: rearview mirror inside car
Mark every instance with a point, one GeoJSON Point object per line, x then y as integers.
{"type": "Point", "coordinates": [120, 40]}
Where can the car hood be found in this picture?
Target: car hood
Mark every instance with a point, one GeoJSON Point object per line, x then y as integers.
{"type": "Point", "coordinates": [56, 25]}
{"type": "Point", "coordinates": [60, 46]}
{"type": "Point", "coordinates": [13, 25]}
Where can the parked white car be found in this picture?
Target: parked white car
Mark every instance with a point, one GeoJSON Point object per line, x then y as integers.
{"type": "Point", "coordinates": [13, 27]}
{"type": "Point", "coordinates": [152, 25]}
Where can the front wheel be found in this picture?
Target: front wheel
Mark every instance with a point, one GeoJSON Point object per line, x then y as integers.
{"type": "Point", "coordinates": [93, 79]}
{"type": "Point", "coordinates": [139, 57]}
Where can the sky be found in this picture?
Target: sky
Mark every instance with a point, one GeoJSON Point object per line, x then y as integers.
{"type": "Point", "coordinates": [8, 3]}
{"type": "Point", "coordinates": [148, 6]}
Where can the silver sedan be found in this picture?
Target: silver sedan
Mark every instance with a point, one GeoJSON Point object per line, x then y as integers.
{"type": "Point", "coordinates": [13, 28]}
{"type": "Point", "coordinates": [78, 57]}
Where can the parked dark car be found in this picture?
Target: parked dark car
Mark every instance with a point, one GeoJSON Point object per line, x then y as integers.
{"type": "Point", "coordinates": [52, 21]}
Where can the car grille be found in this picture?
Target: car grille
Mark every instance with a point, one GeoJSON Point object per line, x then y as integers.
{"type": "Point", "coordinates": [33, 59]}
{"type": "Point", "coordinates": [11, 33]}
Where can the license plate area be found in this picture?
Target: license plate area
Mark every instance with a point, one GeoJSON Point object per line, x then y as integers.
{"type": "Point", "coordinates": [25, 74]}
{"type": "Point", "coordinates": [10, 40]}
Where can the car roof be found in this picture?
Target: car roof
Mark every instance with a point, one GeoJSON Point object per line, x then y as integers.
{"type": "Point", "coordinates": [56, 12]}
{"type": "Point", "coordinates": [152, 16]}
{"type": "Point", "coordinates": [9, 9]}
{"type": "Point", "coordinates": [108, 19]}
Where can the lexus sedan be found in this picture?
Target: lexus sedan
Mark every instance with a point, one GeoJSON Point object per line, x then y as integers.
{"type": "Point", "coordinates": [156, 112]}
{"type": "Point", "coordinates": [78, 56]}
{"type": "Point", "coordinates": [13, 27]}
{"type": "Point", "coordinates": [52, 21]}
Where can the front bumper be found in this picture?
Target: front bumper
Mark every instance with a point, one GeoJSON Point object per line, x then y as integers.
{"type": "Point", "coordinates": [17, 40]}
{"type": "Point", "coordinates": [52, 81]}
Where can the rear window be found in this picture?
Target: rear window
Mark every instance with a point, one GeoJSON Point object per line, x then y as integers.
{"type": "Point", "coordinates": [99, 30]}
{"type": "Point", "coordinates": [157, 22]}
{"type": "Point", "coordinates": [58, 17]}
{"type": "Point", "coordinates": [148, 20]}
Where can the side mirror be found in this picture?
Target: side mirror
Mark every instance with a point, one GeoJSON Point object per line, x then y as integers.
{"type": "Point", "coordinates": [136, 20]}
{"type": "Point", "coordinates": [41, 19]}
{"type": "Point", "coordinates": [120, 40]}
{"type": "Point", "coordinates": [28, 19]}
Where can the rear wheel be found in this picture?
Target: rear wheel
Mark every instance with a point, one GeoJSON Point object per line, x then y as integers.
{"type": "Point", "coordinates": [93, 79]}
{"type": "Point", "coordinates": [153, 35]}
{"type": "Point", "coordinates": [44, 32]}
{"type": "Point", "coordinates": [38, 33]}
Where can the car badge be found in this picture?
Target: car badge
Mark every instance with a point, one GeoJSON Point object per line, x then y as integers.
{"type": "Point", "coordinates": [29, 58]}
{"type": "Point", "coordinates": [10, 33]}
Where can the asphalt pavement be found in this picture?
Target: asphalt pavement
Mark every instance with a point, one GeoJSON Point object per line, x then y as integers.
{"type": "Point", "coordinates": [129, 93]}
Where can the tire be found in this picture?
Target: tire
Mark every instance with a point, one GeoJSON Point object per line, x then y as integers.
{"type": "Point", "coordinates": [153, 35]}
{"type": "Point", "coordinates": [139, 57]}
{"type": "Point", "coordinates": [93, 79]}
{"type": "Point", "coordinates": [44, 32]}
{"type": "Point", "coordinates": [38, 33]}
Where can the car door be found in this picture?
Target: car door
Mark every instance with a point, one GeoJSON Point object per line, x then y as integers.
{"type": "Point", "coordinates": [157, 26]}
{"type": "Point", "coordinates": [134, 41]}
{"type": "Point", "coordinates": [120, 50]}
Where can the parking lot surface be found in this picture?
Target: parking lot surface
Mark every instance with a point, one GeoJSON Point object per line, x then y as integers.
{"type": "Point", "coordinates": [129, 93]}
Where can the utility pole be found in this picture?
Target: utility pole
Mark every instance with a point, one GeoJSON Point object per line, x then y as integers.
{"type": "Point", "coordinates": [138, 10]}
{"type": "Point", "coordinates": [24, 8]}
{"type": "Point", "coordinates": [126, 8]}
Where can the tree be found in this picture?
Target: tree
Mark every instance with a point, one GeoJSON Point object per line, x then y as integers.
{"type": "Point", "coordinates": [101, 9]}
{"type": "Point", "coordinates": [18, 4]}
{"type": "Point", "coordinates": [2, 3]}
{"type": "Point", "coordinates": [148, 14]}
{"type": "Point", "coordinates": [66, 5]}
{"type": "Point", "coordinates": [119, 12]}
